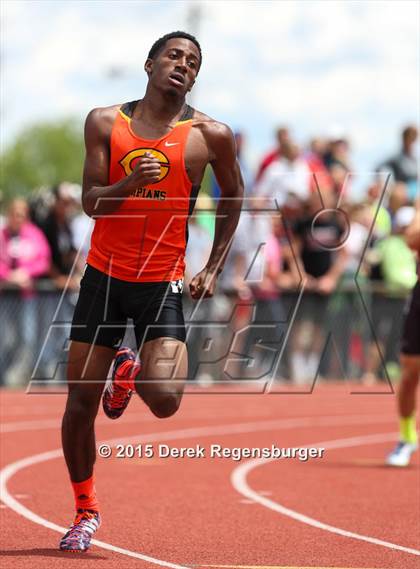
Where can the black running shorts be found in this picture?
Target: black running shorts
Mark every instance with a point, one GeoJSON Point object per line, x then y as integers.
{"type": "Point", "coordinates": [411, 334]}
{"type": "Point", "coordinates": [105, 304]}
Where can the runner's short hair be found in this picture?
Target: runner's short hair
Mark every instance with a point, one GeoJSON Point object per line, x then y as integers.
{"type": "Point", "coordinates": [160, 43]}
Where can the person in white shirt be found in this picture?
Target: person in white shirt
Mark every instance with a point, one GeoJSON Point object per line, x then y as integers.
{"type": "Point", "coordinates": [288, 175]}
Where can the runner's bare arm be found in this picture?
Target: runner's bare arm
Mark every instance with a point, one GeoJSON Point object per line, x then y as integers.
{"type": "Point", "coordinates": [228, 174]}
{"type": "Point", "coordinates": [222, 152]}
{"type": "Point", "coordinates": [98, 197]}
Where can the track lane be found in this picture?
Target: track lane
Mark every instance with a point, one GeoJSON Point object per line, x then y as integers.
{"type": "Point", "coordinates": [199, 478]}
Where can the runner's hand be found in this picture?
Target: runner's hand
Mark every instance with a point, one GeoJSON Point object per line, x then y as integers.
{"type": "Point", "coordinates": [203, 284]}
{"type": "Point", "coordinates": [146, 171]}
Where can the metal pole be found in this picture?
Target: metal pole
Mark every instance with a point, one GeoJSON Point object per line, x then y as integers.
{"type": "Point", "coordinates": [194, 18]}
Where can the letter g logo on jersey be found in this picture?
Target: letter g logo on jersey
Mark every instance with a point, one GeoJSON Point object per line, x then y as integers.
{"type": "Point", "coordinates": [130, 160]}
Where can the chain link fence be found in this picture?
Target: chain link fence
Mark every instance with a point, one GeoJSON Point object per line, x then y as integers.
{"type": "Point", "coordinates": [353, 333]}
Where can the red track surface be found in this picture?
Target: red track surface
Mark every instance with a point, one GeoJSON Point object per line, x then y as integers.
{"type": "Point", "coordinates": [187, 512]}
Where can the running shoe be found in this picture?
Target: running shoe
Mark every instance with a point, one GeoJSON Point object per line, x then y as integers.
{"type": "Point", "coordinates": [80, 533]}
{"type": "Point", "coordinates": [401, 454]}
{"type": "Point", "coordinates": [116, 397]}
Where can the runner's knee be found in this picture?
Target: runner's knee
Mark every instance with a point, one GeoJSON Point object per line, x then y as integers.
{"type": "Point", "coordinates": [410, 378]}
{"type": "Point", "coordinates": [410, 370]}
{"type": "Point", "coordinates": [165, 405]}
{"type": "Point", "coordinates": [82, 404]}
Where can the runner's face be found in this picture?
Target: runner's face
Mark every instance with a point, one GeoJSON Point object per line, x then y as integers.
{"type": "Point", "coordinates": [175, 68]}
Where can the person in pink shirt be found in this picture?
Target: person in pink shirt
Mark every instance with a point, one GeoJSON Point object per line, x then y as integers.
{"type": "Point", "coordinates": [24, 250]}
{"type": "Point", "coordinates": [24, 256]}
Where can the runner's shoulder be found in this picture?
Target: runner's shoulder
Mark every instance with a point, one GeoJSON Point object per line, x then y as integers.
{"type": "Point", "coordinates": [215, 133]}
{"type": "Point", "coordinates": [100, 120]}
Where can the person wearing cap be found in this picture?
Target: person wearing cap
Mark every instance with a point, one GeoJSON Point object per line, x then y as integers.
{"type": "Point", "coordinates": [65, 273]}
{"type": "Point", "coordinates": [395, 269]}
{"type": "Point", "coordinates": [410, 352]}
{"type": "Point", "coordinates": [57, 229]}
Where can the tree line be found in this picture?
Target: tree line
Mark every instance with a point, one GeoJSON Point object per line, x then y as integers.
{"type": "Point", "coordinates": [42, 154]}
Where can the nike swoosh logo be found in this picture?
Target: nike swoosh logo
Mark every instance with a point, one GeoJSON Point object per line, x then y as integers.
{"type": "Point", "coordinates": [171, 143]}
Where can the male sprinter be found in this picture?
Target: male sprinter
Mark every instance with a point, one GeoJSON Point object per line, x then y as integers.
{"type": "Point", "coordinates": [410, 363]}
{"type": "Point", "coordinates": [144, 164]}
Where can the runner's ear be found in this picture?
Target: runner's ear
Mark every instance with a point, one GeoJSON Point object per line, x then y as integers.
{"type": "Point", "coordinates": [148, 66]}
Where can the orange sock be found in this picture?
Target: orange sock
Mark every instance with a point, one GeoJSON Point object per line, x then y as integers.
{"type": "Point", "coordinates": [85, 495]}
{"type": "Point", "coordinates": [127, 373]}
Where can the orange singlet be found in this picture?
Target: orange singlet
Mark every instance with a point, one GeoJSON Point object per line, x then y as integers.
{"type": "Point", "coordinates": [144, 240]}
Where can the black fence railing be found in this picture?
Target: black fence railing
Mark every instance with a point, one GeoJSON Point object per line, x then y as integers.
{"type": "Point", "coordinates": [352, 333]}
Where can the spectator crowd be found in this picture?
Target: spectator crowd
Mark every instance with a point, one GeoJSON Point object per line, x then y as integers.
{"type": "Point", "coordinates": [314, 284]}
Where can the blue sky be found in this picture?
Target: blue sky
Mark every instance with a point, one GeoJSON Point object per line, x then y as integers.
{"type": "Point", "coordinates": [317, 66]}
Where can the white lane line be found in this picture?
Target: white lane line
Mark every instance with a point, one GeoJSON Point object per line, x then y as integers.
{"type": "Point", "coordinates": [12, 503]}
{"type": "Point", "coordinates": [34, 409]}
{"type": "Point", "coordinates": [239, 482]}
{"type": "Point", "coordinates": [10, 470]}
{"type": "Point", "coordinates": [55, 423]}
{"type": "Point", "coordinates": [17, 426]}
{"type": "Point", "coordinates": [45, 424]}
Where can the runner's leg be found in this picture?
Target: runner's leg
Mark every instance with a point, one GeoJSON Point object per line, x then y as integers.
{"type": "Point", "coordinates": [164, 371]}
{"type": "Point", "coordinates": [87, 372]}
